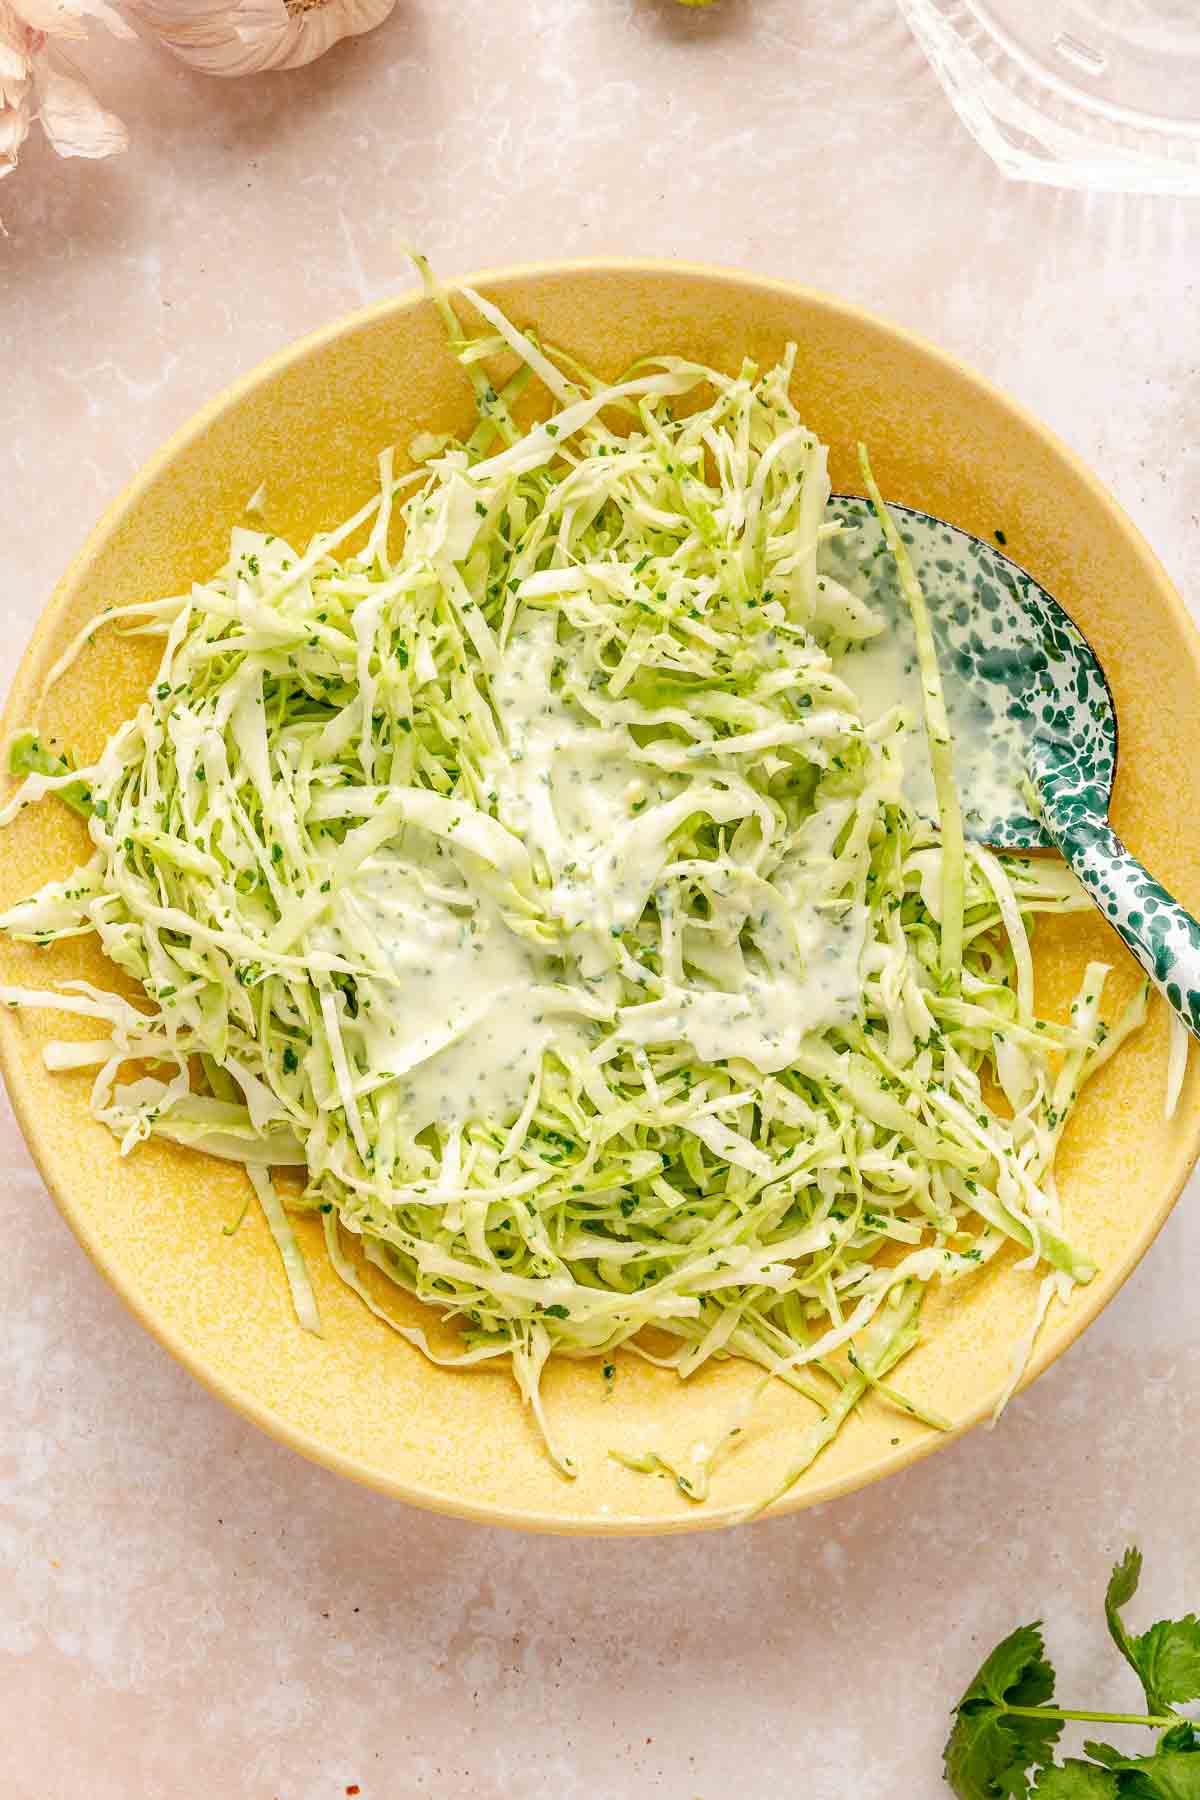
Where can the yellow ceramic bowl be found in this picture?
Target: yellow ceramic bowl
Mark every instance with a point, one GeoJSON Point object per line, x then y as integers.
{"type": "Point", "coordinates": [310, 423]}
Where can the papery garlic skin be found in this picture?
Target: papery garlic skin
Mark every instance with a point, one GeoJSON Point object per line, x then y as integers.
{"type": "Point", "coordinates": [247, 37]}
{"type": "Point", "coordinates": [16, 88]}
{"type": "Point", "coordinates": [39, 81]}
{"type": "Point", "coordinates": [69, 113]}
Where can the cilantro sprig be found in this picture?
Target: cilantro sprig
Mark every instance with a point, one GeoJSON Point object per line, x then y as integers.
{"type": "Point", "coordinates": [1007, 1727]}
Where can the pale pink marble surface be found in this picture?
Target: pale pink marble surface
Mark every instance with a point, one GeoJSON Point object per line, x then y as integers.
{"type": "Point", "coordinates": [187, 1609]}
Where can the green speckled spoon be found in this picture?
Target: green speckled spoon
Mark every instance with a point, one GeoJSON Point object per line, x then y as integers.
{"type": "Point", "coordinates": [1029, 706]}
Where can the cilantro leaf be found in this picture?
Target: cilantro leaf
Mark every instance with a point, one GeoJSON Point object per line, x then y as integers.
{"type": "Point", "coordinates": [1122, 1586]}
{"type": "Point", "coordinates": [1123, 1582]}
{"type": "Point", "coordinates": [1074, 1780]}
{"type": "Point", "coordinates": [1016, 1673]}
{"type": "Point", "coordinates": [1104, 1753]}
{"type": "Point", "coordinates": [1006, 1725]}
{"type": "Point", "coordinates": [1165, 1659]}
{"type": "Point", "coordinates": [1174, 1775]}
{"type": "Point", "coordinates": [1168, 1658]}
{"type": "Point", "coordinates": [989, 1751]}
{"type": "Point", "coordinates": [983, 1759]}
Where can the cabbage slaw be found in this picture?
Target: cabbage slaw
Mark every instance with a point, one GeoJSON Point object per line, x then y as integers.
{"type": "Point", "coordinates": [564, 693]}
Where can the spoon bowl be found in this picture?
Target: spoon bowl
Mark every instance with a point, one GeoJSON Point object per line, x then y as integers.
{"type": "Point", "coordinates": [1014, 667]}
{"type": "Point", "coordinates": [1031, 714]}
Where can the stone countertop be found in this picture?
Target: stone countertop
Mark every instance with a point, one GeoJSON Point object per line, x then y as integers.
{"type": "Point", "coordinates": [188, 1609]}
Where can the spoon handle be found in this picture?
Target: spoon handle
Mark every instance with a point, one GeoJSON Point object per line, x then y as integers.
{"type": "Point", "coordinates": [1163, 936]}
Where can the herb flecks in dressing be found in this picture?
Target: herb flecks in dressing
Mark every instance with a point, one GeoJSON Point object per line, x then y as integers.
{"type": "Point", "coordinates": [475, 1001]}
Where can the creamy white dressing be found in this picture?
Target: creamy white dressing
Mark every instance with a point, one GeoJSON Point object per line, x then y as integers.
{"type": "Point", "coordinates": [764, 1020]}
{"type": "Point", "coordinates": [468, 1010]}
{"type": "Point", "coordinates": [473, 1003]}
{"type": "Point", "coordinates": [882, 674]}
{"type": "Point", "coordinates": [565, 785]}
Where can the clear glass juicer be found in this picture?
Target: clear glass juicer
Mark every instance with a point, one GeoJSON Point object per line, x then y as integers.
{"type": "Point", "coordinates": [1098, 94]}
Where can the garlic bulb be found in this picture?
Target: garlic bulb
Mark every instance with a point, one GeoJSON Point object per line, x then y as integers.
{"type": "Point", "coordinates": [38, 81]}
{"type": "Point", "coordinates": [244, 37]}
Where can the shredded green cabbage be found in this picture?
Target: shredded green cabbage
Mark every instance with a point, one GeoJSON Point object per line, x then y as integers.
{"type": "Point", "coordinates": [512, 869]}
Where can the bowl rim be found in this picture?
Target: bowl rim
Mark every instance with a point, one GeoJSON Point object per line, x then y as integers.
{"type": "Point", "coordinates": [1099, 1293]}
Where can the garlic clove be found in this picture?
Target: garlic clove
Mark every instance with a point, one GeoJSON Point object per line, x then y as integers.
{"type": "Point", "coordinates": [246, 37]}
{"type": "Point", "coordinates": [184, 24]}
{"type": "Point", "coordinates": [314, 26]}
{"type": "Point", "coordinates": [69, 113]}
